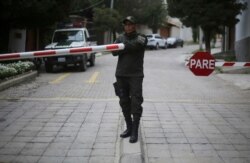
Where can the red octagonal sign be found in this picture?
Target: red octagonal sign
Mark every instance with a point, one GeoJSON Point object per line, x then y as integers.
{"type": "Point", "coordinates": [202, 64]}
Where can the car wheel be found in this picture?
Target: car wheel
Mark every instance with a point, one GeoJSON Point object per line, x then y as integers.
{"type": "Point", "coordinates": [166, 46]}
{"type": "Point", "coordinates": [92, 59]}
{"type": "Point", "coordinates": [157, 46]}
{"type": "Point", "coordinates": [83, 64]}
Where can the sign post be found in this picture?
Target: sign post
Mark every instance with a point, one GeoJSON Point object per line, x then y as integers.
{"type": "Point", "coordinates": [202, 64]}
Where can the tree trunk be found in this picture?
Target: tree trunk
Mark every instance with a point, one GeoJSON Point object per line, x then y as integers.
{"type": "Point", "coordinates": [231, 38]}
{"type": "Point", "coordinates": [114, 35]}
{"type": "Point", "coordinates": [154, 29]}
{"type": "Point", "coordinates": [195, 34]}
{"type": "Point", "coordinates": [207, 36]}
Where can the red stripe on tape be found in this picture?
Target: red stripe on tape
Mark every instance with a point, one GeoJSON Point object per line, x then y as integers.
{"type": "Point", "coordinates": [247, 64]}
{"type": "Point", "coordinates": [79, 50]}
{"type": "Point", "coordinates": [41, 53]}
{"type": "Point", "coordinates": [10, 56]}
{"type": "Point", "coordinates": [228, 63]}
{"type": "Point", "coordinates": [111, 47]}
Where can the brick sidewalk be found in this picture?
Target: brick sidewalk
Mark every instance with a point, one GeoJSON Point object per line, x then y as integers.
{"type": "Point", "coordinates": [56, 131]}
{"type": "Point", "coordinates": [59, 132]}
{"type": "Point", "coordinates": [196, 133]}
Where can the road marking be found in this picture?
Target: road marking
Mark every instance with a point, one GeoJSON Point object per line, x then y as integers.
{"type": "Point", "coordinates": [93, 78]}
{"type": "Point", "coordinates": [59, 79]}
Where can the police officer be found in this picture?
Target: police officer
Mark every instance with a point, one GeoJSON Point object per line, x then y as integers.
{"type": "Point", "coordinates": [129, 77]}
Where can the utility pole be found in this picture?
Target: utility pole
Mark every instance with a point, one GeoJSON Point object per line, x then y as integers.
{"type": "Point", "coordinates": [200, 38]}
{"type": "Point", "coordinates": [112, 4]}
{"type": "Point", "coordinates": [110, 32]}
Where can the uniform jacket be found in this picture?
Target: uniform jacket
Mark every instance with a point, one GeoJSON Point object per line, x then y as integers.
{"type": "Point", "coordinates": [130, 60]}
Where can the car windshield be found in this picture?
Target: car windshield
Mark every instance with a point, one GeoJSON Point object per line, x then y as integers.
{"type": "Point", "coordinates": [149, 36]}
{"type": "Point", "coordinates": [64, 36]}
{"type": "Point", "coordinates": [171, 39]}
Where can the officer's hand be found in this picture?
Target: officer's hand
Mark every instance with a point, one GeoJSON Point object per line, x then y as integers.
{"type": "Point", "coordinates": [141, 40]}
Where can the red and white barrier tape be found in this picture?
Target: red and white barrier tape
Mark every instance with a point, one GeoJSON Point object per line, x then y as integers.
{"type": "Point", "coordinates": [232, 64]}
{"type": "Point", "coordinates": [60, 52]}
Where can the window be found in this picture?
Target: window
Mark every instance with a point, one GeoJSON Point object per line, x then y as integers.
{"type": "Point", "coordinates": [64, 36]}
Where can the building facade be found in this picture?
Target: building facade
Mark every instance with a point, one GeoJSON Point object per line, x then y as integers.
{"type": "Point", "coordinates": [242, 35]}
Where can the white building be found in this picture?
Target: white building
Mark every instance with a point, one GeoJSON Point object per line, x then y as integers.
{"type": "Point", "coordinates": [174, 29]}
{"type": "Point", "coordinates": [179, 30]}
{"type": "Point", "coordinates": [242, 35]}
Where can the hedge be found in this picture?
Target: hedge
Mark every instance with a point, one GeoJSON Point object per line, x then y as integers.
{"type": "Point", "coordinates": [12, 69]}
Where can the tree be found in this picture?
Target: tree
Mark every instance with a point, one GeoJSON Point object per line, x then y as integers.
{"type": "Point", "coordinates": [149, 12]}
{"type": "Point", "coordinates": [85, 8]}
{"type": "Point", "coordinates": [106, 19]}
{"type": "Point", "coordinates": [210, 15]}
{"type": "Point", "coordinates": [29, 14]}
{"type": "Point", "coordinates": [154, 14]}
{"type": "Point", "coordinates": [32, 13]}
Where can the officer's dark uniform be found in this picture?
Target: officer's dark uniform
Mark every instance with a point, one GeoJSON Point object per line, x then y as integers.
{"type": "Point", "coordinates": [129, 75]}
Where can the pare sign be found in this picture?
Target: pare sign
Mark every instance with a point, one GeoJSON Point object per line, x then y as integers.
{"type": "Point", "coordinates": [202, 64]}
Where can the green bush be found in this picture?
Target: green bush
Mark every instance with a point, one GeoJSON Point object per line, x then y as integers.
{"type": "Point", "coordinates": [22, 67]}
{"type": "Point", "coordinates": [12, 69]}
{"type": "Point", "coordinates": [6, 72]}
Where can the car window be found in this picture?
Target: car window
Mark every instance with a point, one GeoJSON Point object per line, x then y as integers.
{"type": "Point", "coordinates": [62, 36]}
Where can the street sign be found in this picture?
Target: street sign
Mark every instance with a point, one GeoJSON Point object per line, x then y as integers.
{"type": "Point", "coordinates": [202, 64]}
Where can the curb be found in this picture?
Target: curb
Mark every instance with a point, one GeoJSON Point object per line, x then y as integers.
{"type": "Point", "coordinates": [239, 70]}
{"type": "Point", "coordinates": [131, 153]}
{"type": "Point", "coordinates": [18, 80]}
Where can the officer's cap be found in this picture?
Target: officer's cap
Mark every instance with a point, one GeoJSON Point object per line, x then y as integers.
{"type": "Point", "coordinates": [131, 19]}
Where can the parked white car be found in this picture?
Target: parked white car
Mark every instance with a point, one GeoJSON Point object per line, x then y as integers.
{"type": "Point", "coordinates": [174, 42]}
{"type": "Point", "coordinates": [155, 41]}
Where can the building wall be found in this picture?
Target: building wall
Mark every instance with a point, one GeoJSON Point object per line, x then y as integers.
{"type": "Point", "coordinates": [144, 29]}
{"type": "Point", "coordinates": [179, 30]}
{"type": "Point", "coordinates": [175, 31]}
{"type": "Point", "coordinates": [186, 34]}
{"type": "Point", "coordinates": [17, 40]}
{"type": "Point", "coordinates": [242, 35]}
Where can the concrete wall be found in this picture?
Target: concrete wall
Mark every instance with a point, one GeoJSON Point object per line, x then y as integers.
{"type": "Point", "coordinates": [175, 32]}
{"type": "Point", "coordinates": [144, 29]}
{"type": "Point", "coordinates": [242, 35]}
{"type": "Point", "coordinates": [186, 34]}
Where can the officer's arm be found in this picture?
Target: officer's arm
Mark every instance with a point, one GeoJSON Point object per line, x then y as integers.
{"type": "Point", "coordinates": [118, 52]}
{"type": "Point", "coordinates": [137, 44]}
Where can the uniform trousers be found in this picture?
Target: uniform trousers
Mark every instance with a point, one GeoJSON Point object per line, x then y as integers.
{"type": "Point", "coordinates": [130, 94]}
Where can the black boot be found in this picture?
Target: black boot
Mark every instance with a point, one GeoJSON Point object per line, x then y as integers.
{"type": "Point", "coordinates": [134, 133]}
{"type": "Point", "coordinates": [128, 131]}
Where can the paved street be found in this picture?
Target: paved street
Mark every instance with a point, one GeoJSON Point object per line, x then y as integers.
{"type": "Point", "coordinates": [71, 116]}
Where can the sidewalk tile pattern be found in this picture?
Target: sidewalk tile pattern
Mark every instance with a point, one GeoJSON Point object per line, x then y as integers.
{"type": "Point", "coordinates": [62, 132]}
{"type": "Point", "coordinates": [196, 133]}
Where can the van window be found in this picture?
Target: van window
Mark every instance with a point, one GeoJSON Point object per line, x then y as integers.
{"type": "Point", "coordinates": [65, 36]}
